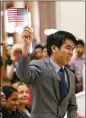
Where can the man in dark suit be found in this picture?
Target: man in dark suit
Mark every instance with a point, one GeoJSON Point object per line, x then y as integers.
{"type": "Point", "coordinates": [52, 84]}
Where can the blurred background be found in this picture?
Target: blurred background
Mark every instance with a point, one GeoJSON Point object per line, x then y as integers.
{"type": "Point", "coordinates": [44, 17]}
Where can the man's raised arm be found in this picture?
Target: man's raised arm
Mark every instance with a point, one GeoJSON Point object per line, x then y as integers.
{"type": "Point", "coordinates": [23, 69]}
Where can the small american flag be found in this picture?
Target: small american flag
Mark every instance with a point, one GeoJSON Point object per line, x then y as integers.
{"type": "Point", "coordinates": [17, 14]}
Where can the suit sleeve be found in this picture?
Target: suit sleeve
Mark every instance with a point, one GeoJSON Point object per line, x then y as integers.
{"type": "Point", "coordinates": [72, 107]}
{"type": "Point", "coordinates": [27, 72]}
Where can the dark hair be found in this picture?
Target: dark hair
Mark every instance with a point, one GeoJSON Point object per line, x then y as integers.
{"type": "Point", "coordinates": [80, 42]}
{"type": "Point", "coordinates": [58, 39]}
{"type": "Point", "coordinates": [45, 46]}
{"type": "Point", "coordinates": [8, 90]}
{"type": "Point", "coordinates": [38, 46]}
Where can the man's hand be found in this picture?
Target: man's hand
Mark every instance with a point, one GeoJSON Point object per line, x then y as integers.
{"type": "Point", "coordinates": [27, 37]}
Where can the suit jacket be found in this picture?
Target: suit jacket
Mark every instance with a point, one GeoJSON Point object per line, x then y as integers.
{"type": "Point", "coordinates": [45, 89]}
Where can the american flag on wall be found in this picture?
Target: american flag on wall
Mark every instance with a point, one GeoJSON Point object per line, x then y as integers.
{"type": "Point", "coordinates": [17, 14]}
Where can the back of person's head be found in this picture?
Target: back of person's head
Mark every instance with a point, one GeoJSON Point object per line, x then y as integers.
{"type": "Point", "coordinates": [58, 39]}
{"type": "Point", "coordinates": [80, 42]}
{"type": "Point", "coordinates": [8, 91]}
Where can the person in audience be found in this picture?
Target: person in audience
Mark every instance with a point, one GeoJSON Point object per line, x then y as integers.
{"type": "Point", "coordinates": [11, 68]}
{"type": "Point", "coordinates": [53, 85]}
{"type": "Point", "coordinates": [9, 110]}
{"type": "Point", "coordinates": [38, 52]}
{"type": "Point", "coordinates": [2, 97]}
{"type": "Point", "coordinates": [22, 89]}
{"type": "Point", "coordinates": [76, 65]}
{"type": "Point", "coordinates": [2, 101]}
{"type": "Point", "coordinates": [45, 53]}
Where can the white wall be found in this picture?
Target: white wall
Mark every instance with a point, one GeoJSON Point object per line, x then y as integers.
{"type": "Point", "coordinates": [81, 103]}
{"type": "Point", "coordinates": [70, 16]}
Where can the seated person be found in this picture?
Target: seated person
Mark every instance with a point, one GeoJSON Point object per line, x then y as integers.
{"type": "Point", "coordinates": [11, 99]}
{"type": "Point", "coordinates": [2, 97]}
{"type": "Point", "coordinates": [22, 89]}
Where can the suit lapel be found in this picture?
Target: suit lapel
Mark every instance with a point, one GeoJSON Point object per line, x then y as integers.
{"type": "Point", "coordinates": [56, 82]}
{"type": "Point", "coordinates": [55, 77]}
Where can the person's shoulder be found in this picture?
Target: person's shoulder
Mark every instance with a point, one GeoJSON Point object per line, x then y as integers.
{"type": "Point", "coordinates": [37, 62]}
{"type": "Point", "coordinates": [4, 113]}
{"type": "Point", "coordinates": [22, 114]}
{"type": "Point", "coordinates": [74, 58]}
{"type": "Point", "coordinates": [19, 113]}
{"type": "Point", "coordinates": [28, 107]}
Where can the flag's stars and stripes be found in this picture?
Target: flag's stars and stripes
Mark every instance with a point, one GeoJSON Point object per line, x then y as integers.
{"type": "Point", "coordinates": [17, 14]}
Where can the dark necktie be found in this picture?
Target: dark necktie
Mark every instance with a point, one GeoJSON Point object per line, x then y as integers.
{"type": "Point", "coordinates": [62, 84]}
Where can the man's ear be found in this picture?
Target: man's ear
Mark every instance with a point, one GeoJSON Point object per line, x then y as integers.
{"type": "Point", "coordinates": [54, 48]}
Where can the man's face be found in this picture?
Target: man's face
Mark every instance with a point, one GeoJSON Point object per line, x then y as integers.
{"type": "Point", "coordinates": [64, 54]}
{"type": "Point", "coordinates": [12, 102]}
{"type": "Point", "coordinates": [38, 53]}
{"type": "Point", "coordinates": [80, 50]}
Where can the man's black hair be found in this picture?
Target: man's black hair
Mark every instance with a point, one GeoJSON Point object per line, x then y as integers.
{"type": "Point", "coordinates": [58, 39]}
{"type": "Point", "coordinates": [80, 42]}
{"type": "Point", "coordinates": [8, 91]}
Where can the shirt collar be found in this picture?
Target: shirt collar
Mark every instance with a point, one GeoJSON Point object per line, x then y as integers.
{"type": "Point", "coordinates": [82, 57]}
{"type": "Point", "coordinates": [57, 68]}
